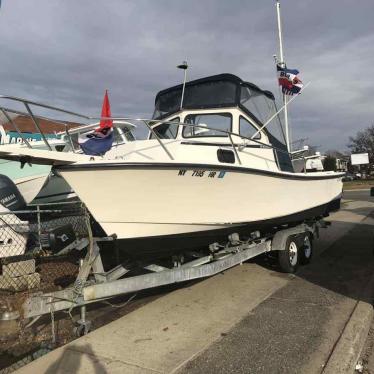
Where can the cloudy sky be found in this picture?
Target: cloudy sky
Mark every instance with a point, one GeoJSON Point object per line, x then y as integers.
{"type": "Point", "coordinates": [67, 52]}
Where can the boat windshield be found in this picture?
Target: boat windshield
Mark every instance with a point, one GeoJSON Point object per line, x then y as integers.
{"type": "Point", "coordinates": [219, 121]}
{"type": "Point", "coordinates": [262, 107]}
{"type": "Point", "coordinates": [166, 130]}
{"type": "Point", "coordinates": [221, 91]}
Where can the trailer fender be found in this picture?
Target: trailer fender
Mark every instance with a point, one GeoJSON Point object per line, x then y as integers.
{"type": "Point", "coordinates": [280, 238]}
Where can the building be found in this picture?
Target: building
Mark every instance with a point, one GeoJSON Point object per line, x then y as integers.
{"type": "Point", "coordinates": [9, 134]}
{"type": "Point", "coordinates": [342, 164]}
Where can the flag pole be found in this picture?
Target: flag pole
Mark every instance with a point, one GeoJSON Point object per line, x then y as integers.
{"type": "Point", "coordinates": [283, 64]}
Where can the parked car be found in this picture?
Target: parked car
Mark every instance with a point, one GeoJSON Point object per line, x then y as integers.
{"type": "Point", "coordinates": [349, 177]}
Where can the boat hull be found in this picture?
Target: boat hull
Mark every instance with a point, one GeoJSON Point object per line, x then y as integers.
{"type": "Point", "coordinates": [28, 179]}
{"type": "Point", "coordinates": [29, 187]}
{"type": "Point", "coordinates": [164, 245]}
{"type": "Point", "coordinates": [153, 204]}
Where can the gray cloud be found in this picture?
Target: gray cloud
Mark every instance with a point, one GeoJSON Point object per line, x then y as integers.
{"type": "Point", "coordinates": [67, 52]}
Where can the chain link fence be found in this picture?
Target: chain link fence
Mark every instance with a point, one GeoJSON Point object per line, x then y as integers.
{"type": "Point", "coordinates": [32, 244]}
{"type": "Point", "coordinates": [24, 361]}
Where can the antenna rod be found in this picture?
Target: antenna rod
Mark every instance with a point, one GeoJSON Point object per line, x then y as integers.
{"type": "Point", "coordinates": [282, 63]}
{"type": "Point", "coordinates": [184, 67]}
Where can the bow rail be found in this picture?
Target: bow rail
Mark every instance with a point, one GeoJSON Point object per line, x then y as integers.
{"type": "Point", "coordinates": [151, 125]}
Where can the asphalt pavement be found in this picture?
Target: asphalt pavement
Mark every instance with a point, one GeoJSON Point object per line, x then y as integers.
{"type": "Point", "coordinates": [358, 195]}
{"type": "Point", "coordinates": [296, 328]}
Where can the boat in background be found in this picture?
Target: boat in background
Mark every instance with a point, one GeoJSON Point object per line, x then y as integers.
{"type": "Point", "coordinates": [36, 183]}
{"type": "Point", "coordinates": [55, 188]}
{"type": "Point", "coordinates": [28, 178]}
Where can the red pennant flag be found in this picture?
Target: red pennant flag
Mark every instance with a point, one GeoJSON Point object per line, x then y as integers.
{"type": "Point", "coordinates": [105, 112]}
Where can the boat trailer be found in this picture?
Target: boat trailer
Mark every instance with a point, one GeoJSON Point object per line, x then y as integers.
{"type": "Point", "coordinates": [93, 284]}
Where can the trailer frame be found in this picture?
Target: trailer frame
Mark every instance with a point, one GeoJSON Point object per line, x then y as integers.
{"type": "Point", "coordinates": [93, 284]}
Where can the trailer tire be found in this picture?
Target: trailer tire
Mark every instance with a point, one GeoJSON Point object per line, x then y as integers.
{"type": "Point", "coordinates": [306, 249]}
{"type": "Point", "coordinates": [289, 257]}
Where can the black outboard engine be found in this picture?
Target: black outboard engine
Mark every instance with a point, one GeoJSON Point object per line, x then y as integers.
{"type": "Point", "coordinates": [12, 242]}
{"type": "Point", "coordinates": [53, 239]}
{"type": "Point", "coordinates": [10, 197]}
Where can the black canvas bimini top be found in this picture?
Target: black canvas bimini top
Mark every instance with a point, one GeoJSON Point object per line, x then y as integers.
{"type": "Point", "coordinates": [217, 91]}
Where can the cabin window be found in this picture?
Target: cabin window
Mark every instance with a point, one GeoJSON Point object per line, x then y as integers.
{"type": "Point", "coordinates": [166, 130]}
{"type": "Point", "coordinates": [247, 129]}
{"type": "Point", "coordinates": [209, 125]}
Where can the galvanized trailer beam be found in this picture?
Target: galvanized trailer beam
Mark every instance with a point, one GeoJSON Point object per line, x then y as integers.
{"type": "Point", "coordinates": [40, 304]}
{"type": "Point", "coordinates": [107, 284]}
{"type": "Point", "coordinates": [181, 274]}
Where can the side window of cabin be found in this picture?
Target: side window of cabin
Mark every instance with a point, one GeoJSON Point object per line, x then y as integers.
{"type": "Point", "coordinates": [208, 125]}
{"type": "Point", "coordinates": [247, 129]}
{"type": "Point", "coordinates": [166, 130]}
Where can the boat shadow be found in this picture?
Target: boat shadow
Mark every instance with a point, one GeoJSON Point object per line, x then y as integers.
{"type": "Point", "coordinates": [77, 358]}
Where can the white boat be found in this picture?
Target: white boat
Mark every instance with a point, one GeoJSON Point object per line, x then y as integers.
{"type": "Point", "coordinates": [29, 179]}
{"type": "Point", "coordinates": [208, 169]}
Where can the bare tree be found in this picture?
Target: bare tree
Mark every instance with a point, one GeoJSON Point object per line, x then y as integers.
{"type": "Point", "coordinates": [336, 154]}
{"type": "Point", "coordinates": [363, 142]}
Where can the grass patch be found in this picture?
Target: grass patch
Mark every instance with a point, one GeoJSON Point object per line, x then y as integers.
{"type": "Point", "coordinates": [358, 184]}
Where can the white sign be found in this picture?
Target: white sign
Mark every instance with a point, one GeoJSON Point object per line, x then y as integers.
{"type": "Point", "coordinates": [360, 158]}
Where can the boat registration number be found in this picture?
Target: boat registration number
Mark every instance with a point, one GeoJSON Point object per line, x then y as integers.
{"type": "Point", "coordinates": [201, 173]}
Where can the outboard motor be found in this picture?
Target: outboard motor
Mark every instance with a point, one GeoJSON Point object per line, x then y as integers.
{"type": "Point", "coordinates": [10, 197]}
{"type": "Point", "coordinates": [13, 242]}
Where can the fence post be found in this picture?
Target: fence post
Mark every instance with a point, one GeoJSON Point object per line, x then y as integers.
{"type": "Point", "coordinates": [39, 226]}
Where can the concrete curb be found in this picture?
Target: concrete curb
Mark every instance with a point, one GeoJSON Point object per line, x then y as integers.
{"type": "Point", "coordinates": [347, 350]}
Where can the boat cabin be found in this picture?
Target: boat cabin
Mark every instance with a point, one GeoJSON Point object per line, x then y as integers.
{"type": "Point", "coordinates": [225, 111]}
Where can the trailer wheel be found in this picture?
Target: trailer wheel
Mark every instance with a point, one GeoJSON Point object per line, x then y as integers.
{"type": "Point", "coordinates": [306, 250]}
{"type": "Point", "coordinates": [289, 257]}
